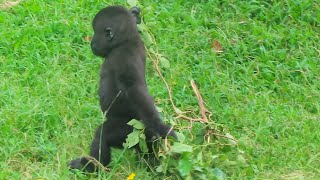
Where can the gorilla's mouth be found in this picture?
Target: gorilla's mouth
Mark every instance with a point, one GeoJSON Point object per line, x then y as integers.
{"type": "Point", "coordinates": [98, 51]}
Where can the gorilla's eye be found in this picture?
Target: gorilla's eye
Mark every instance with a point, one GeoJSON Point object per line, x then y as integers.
{"type": "Point", "coordinates": [109, 33]}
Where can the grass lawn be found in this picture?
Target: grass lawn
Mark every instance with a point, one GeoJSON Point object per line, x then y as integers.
{"type": "Point", "coordinates": [256, 64]}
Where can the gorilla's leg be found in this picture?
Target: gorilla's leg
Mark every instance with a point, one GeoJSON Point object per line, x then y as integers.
{"type": "Point", "coordinates": [110, 134]}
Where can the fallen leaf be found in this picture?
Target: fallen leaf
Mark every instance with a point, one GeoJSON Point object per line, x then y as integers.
{"type": "Point", "coordinates": [8, 4]}
{"type": "Point", "coordinates": [164, 62]}
{"type": "Point", "coordinates": [217, 47]}
{"type": "Point", "coordinates": [87, 38]}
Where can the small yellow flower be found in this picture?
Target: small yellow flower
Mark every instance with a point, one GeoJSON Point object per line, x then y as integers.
{"type": "Point", "coordinates": [131, 176]}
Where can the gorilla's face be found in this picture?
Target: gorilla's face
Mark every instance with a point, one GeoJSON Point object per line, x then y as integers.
{"type": "Point", "coordinates": [112, 26]}
{"type": "Point", "coordinates": [101, 41]}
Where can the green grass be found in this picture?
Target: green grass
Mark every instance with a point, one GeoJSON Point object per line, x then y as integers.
{"type": "Point", "coordinates": [264, 88]}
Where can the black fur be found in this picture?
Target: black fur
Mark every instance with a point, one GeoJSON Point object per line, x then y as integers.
{"type": "Point", "coordinates": [123, 90]}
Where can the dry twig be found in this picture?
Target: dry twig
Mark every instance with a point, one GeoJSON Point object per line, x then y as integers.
{"type": "Point", "coordinates": [155, 60]}
{"type": "Point", "coordinates": [96, 163]}
{"type": "Point", "coordinates": [204, 111]}
{"type": "Point", "coordinates": [201, 105]}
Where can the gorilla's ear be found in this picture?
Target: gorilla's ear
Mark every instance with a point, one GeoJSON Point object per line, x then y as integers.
{"type": "Point", "coordinates": [109, 33]}
{"type": "Point", "coordinates": [135, 12]}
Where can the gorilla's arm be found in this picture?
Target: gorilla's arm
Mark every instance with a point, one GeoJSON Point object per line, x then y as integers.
{"type": "Point", "coordinates": [131, 83]}
{"type": "Point", "coordinates": [144, 106]}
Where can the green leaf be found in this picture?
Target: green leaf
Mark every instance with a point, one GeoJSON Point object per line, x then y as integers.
{"type": "Point", "coordinates": [244, 141]}
{"type": "Point", "coordinates": [214, 157]}
{"type": "Point", "coordinates": [151, 50]}
{"type": "Point", "coordinates": [200, 158]}
{"type": "Point", "coordinates": [162, 168]}
{"type": "Point", "coordinates": [147, 38]}
{"type": "Point", "coordinates": [142, 136]}
{"type": "Point", "coordinates": [136, 124]}
{"type": "Point", "coordinates": [142, 143]}
{"type": "Point", "coordinates": [180, 148]}
{"type": "Point", "coordinates": [164, 62]}
{"type": "Point", "coordinates": [231, 137]}
{"type": "Point", "coordinates": [179, 111]}
{"type": "Point", "coordinates": [142, 27]}
{"type": "Point", "coordinates": [185, 165]}
{"type": "Point", "coordinates": [159, 109]}
{"type": "Point", "coordinates": [241, 160]}
{"type": "Point", "coordinates": [229, 163]}
{"type": "Point", "coordinates": [143, 146]}
{"type": "Point", "coordinates": [132, 139]}
{"type": "Point", "coordinates": [132, 3]}
{"type": "Point", "coordinates": [181, 137]}
{"type": "Point", "coordinates": [219, 174]}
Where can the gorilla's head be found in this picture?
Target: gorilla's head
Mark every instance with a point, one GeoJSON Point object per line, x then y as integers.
{"type": "Point", "coordinates": [113, 26]}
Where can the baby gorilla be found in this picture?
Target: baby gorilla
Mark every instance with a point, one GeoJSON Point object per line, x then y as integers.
{"type": "Point", "coordinates": [123, 89]}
